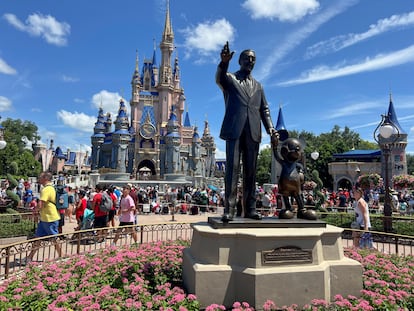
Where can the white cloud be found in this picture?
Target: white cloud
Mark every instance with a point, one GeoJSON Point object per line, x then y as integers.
{"type": "Point", "coordinates": [404, 101]}
{"type": "Point", "coordinates": [69, 79]}
{"type": "Point", "coordinates": [220, 154]}
{"type": "Point", "coordinates": [79, 100]}
{"type": "Point", "coordinates": [45, 26]}
{"type": "Point", "coordinates": [297, 37]}
{"type": "Point", "coordinates": [340, 42]}
{"type": "Point", "coordinates": [208, 37]}
{"type": "Point", "coordinates": [85, 123]}
{"type": "Point", "coordinates": [77, 120]}
{"type": "Point", "coordinates": [108, 101]}
{"type": "Point", "coordinates": [46, 136]}
{"type": "Point", "coordinates": [348, 109]}
{"type": "Point", "coordinates": [378, 62]}
{"type": "Point", "coordinates": [283, 10]}
{"type": "Point", "coordinates": [5, 104]}
{"type": "Point", "coordinates": [6, 69]}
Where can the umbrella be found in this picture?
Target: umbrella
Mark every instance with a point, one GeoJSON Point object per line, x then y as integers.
{"type": "Point", "coordinates": [212, 187]}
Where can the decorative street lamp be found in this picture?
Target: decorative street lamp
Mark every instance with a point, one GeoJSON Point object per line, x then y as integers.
{"type": "Point", "coordinates": [315, 155]}
{"type": "Point", "coordinates": [385, 134]}
{"type": "Point", "coordinates": [2, 141]}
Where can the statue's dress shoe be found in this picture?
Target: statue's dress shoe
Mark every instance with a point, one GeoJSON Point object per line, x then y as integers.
{"type": "Point", "coordinates": [226, 217]}
{"type": "Point", "coordinates": [308, 214]}
{"type": "Point", "coordinates": [254, 215]}
{"type": "Point", "coordinates": [286, 214]}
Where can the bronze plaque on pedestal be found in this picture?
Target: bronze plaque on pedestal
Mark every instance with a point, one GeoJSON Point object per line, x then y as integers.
{"type": "Point", "coordinates": [287, 255]}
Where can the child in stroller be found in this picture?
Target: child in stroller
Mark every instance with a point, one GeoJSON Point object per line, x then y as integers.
{"type": "Point", "coordinates": [88, 218]}
{"type": "Point", "coordinates": [86, 224]}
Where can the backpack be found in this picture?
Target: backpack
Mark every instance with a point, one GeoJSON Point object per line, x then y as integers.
{"type": "Point", "coordinates": [106, 203]}
{"type": "Point", "coordinates": [62, 198]}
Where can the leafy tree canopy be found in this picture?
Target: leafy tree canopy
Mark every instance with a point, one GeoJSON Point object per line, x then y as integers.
{"type": "Point", "coordinates": [15, 159]}
{"type": "Point", "coordinates": [337, 141]}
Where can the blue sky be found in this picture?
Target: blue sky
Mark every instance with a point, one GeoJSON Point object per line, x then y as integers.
{"type": "Point", "coordinates": [326, 62]}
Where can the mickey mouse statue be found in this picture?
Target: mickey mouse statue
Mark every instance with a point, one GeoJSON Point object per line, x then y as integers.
{"type": "Point", "coordinates": [291, 178]}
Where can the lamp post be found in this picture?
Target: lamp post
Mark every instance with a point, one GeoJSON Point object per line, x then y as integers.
{"type": "Point", "coordinates": [385, 134]}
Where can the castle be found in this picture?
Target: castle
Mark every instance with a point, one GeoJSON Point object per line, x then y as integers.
{"type": "Point", "coordinates": [158, 138]}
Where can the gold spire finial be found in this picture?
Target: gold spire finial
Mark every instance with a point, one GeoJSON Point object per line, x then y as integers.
{"type": "Point", "coordinates": [168, 34]}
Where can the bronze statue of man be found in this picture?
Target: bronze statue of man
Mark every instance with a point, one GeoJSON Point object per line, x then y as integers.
{"type": "Point", "coordinates": [245, 109]}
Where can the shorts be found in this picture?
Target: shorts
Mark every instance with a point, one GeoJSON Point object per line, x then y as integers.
{"type": "Point", "coordinates": [111, 214]}
{"type": "Point", "coordinates": [47, 228]}
{"type": "Point", "coordinates": [126, 223]}
{"type": "Point", "coordinates": [61, 220]}
{"type": "Point", "coordinates": [357, 234]}
{"type": "Point", "coordinates": [100, 221]}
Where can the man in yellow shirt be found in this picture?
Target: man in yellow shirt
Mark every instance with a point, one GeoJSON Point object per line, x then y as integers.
{"type": "Point", "coordinates": [49, 215]}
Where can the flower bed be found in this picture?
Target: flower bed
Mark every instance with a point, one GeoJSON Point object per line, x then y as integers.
{"type": "Point", "coordinates": [148, 277]}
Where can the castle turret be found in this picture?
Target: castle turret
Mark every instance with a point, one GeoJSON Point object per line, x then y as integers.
{"type": "Point", "coordinates": [155, 71]}
{"type": "Point", "coordinates": [167, 47]}
{"type": "Point", "coordinates": [196, 154]}
{"type": "Point", "coordinates": [97, 139]}
{"type": "Point", "coordinates": [396, 143]}
{"type": "Point", "coordinates": [172, 144]}
{"type": "Point", "coordinates": [136, 81]}
{"type": "Point", "coordinates": [207, 142]}
{"type": "Point", "coordinates": [280, 126]}
{"type": "Point", "coordinates": [120, 140]}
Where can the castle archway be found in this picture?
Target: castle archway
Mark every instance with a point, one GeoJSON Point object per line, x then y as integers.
{"type": "Point", "coordinates": [146, 168]}
{"type": "Point", "coordinates": [344, 183]}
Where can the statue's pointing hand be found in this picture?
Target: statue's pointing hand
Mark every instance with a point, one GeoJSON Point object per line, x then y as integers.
{"type": "Point", "coordinates": [226, 55]}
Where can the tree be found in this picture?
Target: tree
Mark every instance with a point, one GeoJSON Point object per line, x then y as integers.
{"type": "Point", "coordinates": [410, 164]}
{"type": "Point", "coordinates": [264, 163]}
{"type": "Point", "coordinates": [15, 159]}
{"type": "Point", "coordinates": [327, 144]}
{"type": "Point", "coordinates": [16, 129]}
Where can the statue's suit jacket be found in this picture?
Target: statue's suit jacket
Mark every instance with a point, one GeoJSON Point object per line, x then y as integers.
{"type": "Point", "coordinates": [243, 103]}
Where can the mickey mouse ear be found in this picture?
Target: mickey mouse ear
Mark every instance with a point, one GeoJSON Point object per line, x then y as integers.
{"type": "Point", "coordinates": [283, 134]}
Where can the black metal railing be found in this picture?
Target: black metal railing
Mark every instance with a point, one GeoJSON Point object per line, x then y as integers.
{"type": "Point", "coordinates": [384, 242]}
{"type": "Point", "coordinates": [13, 256]}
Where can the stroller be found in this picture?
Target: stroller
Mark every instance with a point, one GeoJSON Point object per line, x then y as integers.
{"type": "Point", "coordinates": [87, 223]}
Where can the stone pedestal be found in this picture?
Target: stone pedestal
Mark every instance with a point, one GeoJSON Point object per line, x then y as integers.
{"type": "Point", "coordinates": [287, 261]}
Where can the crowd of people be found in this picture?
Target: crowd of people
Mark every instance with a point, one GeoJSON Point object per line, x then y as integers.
{"type": "Point", "coordinates": [128, 201]}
